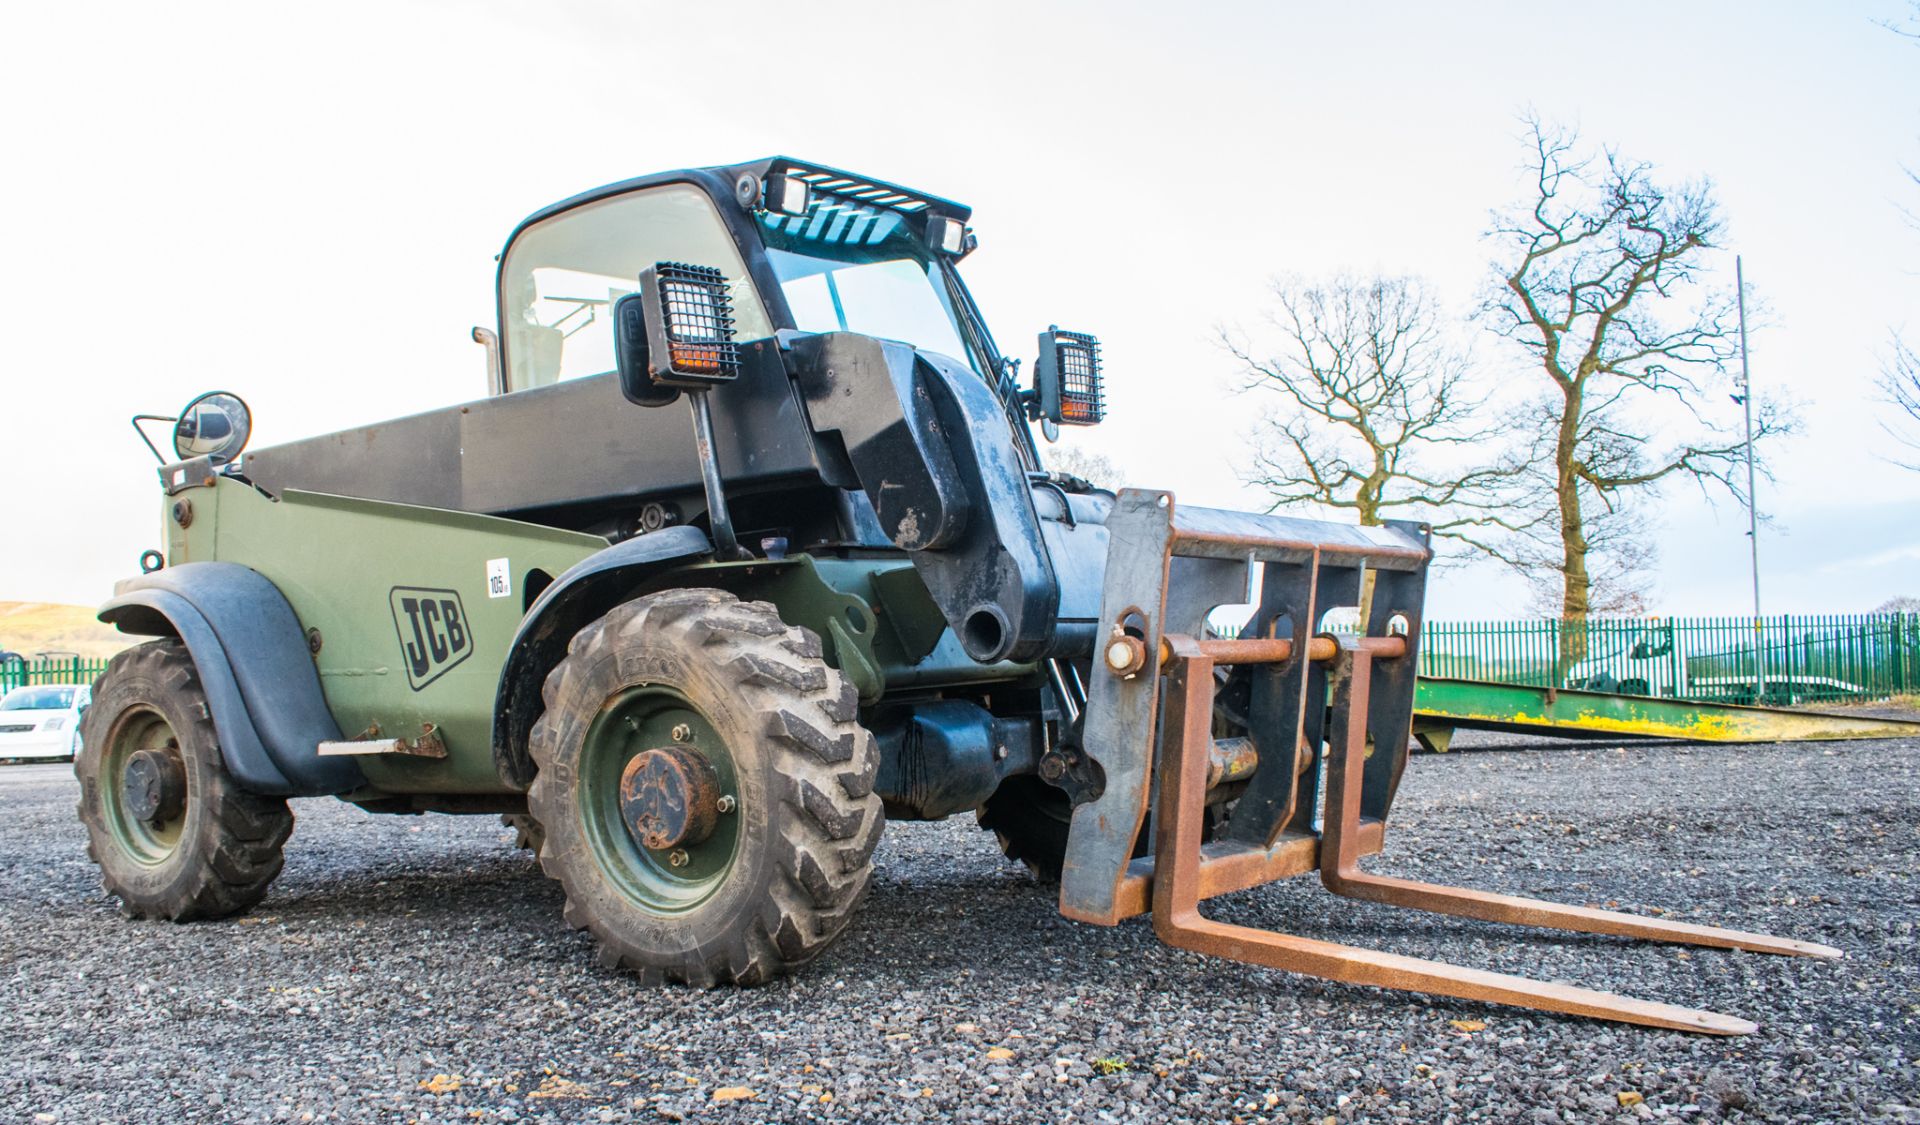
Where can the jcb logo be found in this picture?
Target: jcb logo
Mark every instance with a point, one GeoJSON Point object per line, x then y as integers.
{"type": "Point", "coordinates": [432, 626]}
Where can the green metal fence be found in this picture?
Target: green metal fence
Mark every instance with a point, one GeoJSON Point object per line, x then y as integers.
{"type": "Point", "coordinates": [1781, 660]}
{"type": "Point", "coordinates": [57, 670]}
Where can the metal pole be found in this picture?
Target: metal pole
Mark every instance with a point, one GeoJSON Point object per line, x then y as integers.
{"type": "Point", "coordinates": [724, 546]}
{"type": "Point", "coordinates": [1753, 518]}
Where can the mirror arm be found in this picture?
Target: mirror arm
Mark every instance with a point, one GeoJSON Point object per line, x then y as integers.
{"type": "Point", "coordinates": [139, 418]}
{"type": "Point", "coordinates": [496, 375]}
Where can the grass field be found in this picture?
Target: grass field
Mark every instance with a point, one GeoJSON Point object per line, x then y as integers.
{"type": "Point", "coordinates": [32, 627]}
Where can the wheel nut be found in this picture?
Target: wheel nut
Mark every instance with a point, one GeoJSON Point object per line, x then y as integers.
{"type": "Point", "coordinates": [683, 733]}
{"type": "Point", "coordinates": [725, 804]}
{"type": "Point", "coordinates": [677, 857]}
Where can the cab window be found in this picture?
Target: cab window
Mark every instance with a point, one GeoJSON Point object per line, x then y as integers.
{"type": "Point", "coordinates": [563, 274]}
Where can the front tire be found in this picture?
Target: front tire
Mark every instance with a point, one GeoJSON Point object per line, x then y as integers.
{"type": "Point", "coordinates": [174, 835]}
{"type": "Point", "coordinates": [772, 784]}
{"type": "Point", "coordinates": [527, 833]}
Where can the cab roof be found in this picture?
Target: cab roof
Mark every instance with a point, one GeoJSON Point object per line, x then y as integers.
{"type": "Point", "coordinates": [742, 182]}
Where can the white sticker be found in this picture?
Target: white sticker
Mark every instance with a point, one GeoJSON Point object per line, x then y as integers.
{"type": "Point", "coordinates": [499, 579]}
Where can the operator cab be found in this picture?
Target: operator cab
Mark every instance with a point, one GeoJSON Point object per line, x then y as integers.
{"type": "Point", "coordinates": [835, 253]}
{"type": "Point", "coordinates": [858, 402]}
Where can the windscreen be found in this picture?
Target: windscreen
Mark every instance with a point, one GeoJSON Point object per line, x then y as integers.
{"type": "Point", "coordinates": [849, 267]}
{"type": "Point", "coordinates": [38, 699]}
{"type": "Point", "coordinates": [564, 273]}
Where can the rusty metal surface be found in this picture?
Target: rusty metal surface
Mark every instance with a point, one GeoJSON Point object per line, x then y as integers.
{"type": "Point", "coordinates": [1257, 650]}
{"type": "Point", "coordinates": [1151, 723]}
{"type": "Point", "coordinates": [1168, 567]}
{"type": "Point", "coordinates": [1341, 850]}
{"type": "Point", "coordinates": [1230, 759]}
{"type": "Point", "coordinates": [669, 798]}
{"type": "Point", "coordinates": [428, 745]}
{"type": "Point", "coordinates": [1186, 725]}
{"type": "Point", "coordinates": [1227, 866]}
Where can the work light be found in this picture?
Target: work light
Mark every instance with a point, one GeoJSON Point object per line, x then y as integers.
{"type": "Point", "coordinates": [1068, 378]}
{"type": "Point", "coordinates": [689, 326]}
{"type": "Point", "coordinates": [949, 236]}
{"type": "Point", "coordinates": [786, 195]}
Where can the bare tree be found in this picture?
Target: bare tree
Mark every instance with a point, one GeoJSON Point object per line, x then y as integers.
{"type": "Point", "coordinates": [1900, 372]}
{"type": "Point", "coordinates": [1900, 388]}
{"type": "Point", "coordinates": [1600, 283]}
{"type": "Point", "coordinates": [1377, 409]}
{"type": "Point", "coordinates": [1909, 30]}
{"type": "Point", "coordinates": [1095, 468]}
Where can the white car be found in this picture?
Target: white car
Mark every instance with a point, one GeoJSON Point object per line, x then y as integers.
{"type": "Point", "coordinates": [43, 720]}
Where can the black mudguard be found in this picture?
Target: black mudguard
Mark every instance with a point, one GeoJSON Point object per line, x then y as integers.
{"type": "Point", "coordinates": [255, 667]}
{"type": "Point", "coordinates": [581, 594]}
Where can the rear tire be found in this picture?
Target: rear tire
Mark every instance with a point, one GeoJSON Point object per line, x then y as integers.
{"type": "Point", "coordinates": [776, 874]}
{"type": "Point", "coordinates": [174, 835]}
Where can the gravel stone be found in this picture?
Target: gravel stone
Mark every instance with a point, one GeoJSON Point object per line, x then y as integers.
{"type": "Point", "coordinates": [416, 969]}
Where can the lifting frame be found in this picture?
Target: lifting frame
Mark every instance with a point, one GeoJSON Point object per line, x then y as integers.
{"type": "Point", "coordinates": [1354, 693]}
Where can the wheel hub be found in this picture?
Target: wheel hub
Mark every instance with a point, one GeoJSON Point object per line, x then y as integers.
{"type": "Point", "coordinates": [154, 786]}
{"type": "Point", "coordinates": [669, 798]}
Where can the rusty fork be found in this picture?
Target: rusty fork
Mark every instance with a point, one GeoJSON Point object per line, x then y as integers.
{"type": "Point", "coordinates": [1340, 855]}
{"type": "Point", "coordinates": [1184, 741]}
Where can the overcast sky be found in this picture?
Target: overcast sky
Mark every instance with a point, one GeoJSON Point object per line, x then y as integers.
{"type": "Point", "coordinates": [302, 205]}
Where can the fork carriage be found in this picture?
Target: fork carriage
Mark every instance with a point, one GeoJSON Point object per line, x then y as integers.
{"type": "Point", "coordinates": [1329, 715]}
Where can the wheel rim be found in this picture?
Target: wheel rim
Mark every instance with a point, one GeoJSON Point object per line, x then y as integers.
{"type": "Point", "coordinates": [632, 723]}
{"type": "Point", "coordinates": [141, 733]}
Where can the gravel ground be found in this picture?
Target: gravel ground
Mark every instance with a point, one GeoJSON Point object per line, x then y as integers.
{"type": "Point", "coordinates": [416, 969]}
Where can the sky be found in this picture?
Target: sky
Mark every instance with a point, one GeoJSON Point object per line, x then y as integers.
{"type": "Point", "coordinates": [302, 205]}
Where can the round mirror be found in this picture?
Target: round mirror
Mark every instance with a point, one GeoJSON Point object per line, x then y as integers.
{"type": "Point", "coordinates": [215, 425]}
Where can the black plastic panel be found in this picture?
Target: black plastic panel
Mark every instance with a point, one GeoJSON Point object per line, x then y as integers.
{"type": "Point", "coordinates": [564, 451]}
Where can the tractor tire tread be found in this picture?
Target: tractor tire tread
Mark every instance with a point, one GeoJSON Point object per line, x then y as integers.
{"type": "Point", "coordinates": [824, 769]}
{"type": "Point", "coordinates": [232, 841]}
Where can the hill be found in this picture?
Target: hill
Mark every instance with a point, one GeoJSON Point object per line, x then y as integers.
{"type": "Point", "coordinates": [31, 627]}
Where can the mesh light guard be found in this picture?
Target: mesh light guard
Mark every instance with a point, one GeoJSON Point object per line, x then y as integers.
{"type": "Point", "coordinates": [691, 340]}
{"type": "Point", "coordinates": [1071, 387]}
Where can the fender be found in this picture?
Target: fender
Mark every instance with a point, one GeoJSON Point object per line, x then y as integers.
{"type": "Point", "coordinates": [254, 666]}
{"type": "Point", "coordinates": [581, 594]}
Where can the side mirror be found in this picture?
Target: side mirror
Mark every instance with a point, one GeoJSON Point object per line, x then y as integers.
{"type": "Point", "coordinates": [630, 354]}
{"type": "Point", "coordinates": [1067, 378]}
{"type": "Point", "coordinates": [216, 426]}
{"type": "Point", "coordinates": [675, 334]}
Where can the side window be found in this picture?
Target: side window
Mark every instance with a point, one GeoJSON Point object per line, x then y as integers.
{"type": "Point", "coordinates": [563, 274]}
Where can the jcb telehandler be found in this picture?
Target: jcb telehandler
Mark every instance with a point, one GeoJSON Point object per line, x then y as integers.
{"type": "Point", "coordinates": [700, 665]}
